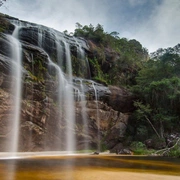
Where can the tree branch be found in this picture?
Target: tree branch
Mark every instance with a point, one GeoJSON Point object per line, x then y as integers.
{"type": "Point", "coordinates": [165, 150]}
{"type": "Point", "coordinates": [152, 127]}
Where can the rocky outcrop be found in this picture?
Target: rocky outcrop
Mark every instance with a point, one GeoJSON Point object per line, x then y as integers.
{"type": "Point", "coordinates": [108, 56]}
{"type": "Point", "coordinates": [42, 124]}
{"type": "Point", "coordinates": [121, 99]}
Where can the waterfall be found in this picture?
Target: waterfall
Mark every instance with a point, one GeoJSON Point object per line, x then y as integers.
{"type": "Point", "coordinates": [59, 60]}
{"type": "Point", "coordinates": [70, 111]}
{"type": "Point", "coordinates": [85, 68]}
{"type": "Point", "coordinates": [84, 114]}
{"type": "Point", "coordinates": [40, 36]}
{"type": "Point", "coordinates": [97, 116]}
{"type": "Point", "coordinates": [59, 48]}
{"type": "Point", "coordinates": [65, 89]}
{"type": "Point", "coordinates": [16, 55]}
{"type": "Point", "coordinates": [69, 90]}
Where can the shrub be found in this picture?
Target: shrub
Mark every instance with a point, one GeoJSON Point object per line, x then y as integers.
{"type": "Point", "coordinates": [139, 148]}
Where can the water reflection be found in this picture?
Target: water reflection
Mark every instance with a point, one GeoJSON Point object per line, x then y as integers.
{"type": "Point", "coordinates": [87, 166]}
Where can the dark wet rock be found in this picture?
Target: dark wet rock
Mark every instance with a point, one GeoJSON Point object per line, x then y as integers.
{"type": "Point", "coordinates": [96, 153]}
{"type": "Point", "coordinates": [89, 87]}
{"type": "Point", "coordinates": [155, 143]}
{"type": "Point", "coordinates": [116, 147]}
{"type": "Point", "coordinates": [121, 99]}
{"type": "Point", "coordinates": [42, 126]}
{"type": "Point", "coordinates": [125, 152]}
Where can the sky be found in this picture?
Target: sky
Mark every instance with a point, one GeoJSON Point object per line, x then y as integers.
{"type": "Point", "coordinates": [154, 23]}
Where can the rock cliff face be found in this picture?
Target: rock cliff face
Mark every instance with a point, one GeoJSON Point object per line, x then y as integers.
{"type": "Point", "coordinates": [42, 122]}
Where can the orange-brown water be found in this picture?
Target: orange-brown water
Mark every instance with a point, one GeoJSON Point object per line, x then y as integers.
{"type": "Point", "coordinates": [90, 167]}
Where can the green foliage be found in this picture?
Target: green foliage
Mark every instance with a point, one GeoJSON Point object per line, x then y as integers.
{"type": "Point", "coordinates": [39, 70]}
{"type": "Point", "coordinates": [158, 91]}
{"type": "Point", "coordinates": [175, 151]}
{"type": "Point", "coordinates": [98, 73]}
{"type": "Point", "coordinates": [142, 131]}
{"type": "Point", "coordinates": [78, 67]}
{"type": "Point", "coordinates": [4, 24]}
{"type": "Point", "coordinates": [155, 82]}
{"type": "Point", "coordinates": [33, 78]}
{"type": "Point", "coordinates": [139, 148]}
{"type": "Point", "coordinates": [103, 147]}
{"type": "Point", "coordinates": [142, 110]}
{"type": "Point", "coordinates": [36, 69]}
{"type": "Point", "coordinates": [126, 56]}
{"type": "Point", "coordinates": [138, 145]}
{"type": "Point", "coordinates": [89, 32]}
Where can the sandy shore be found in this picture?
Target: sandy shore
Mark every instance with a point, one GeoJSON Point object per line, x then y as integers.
{"type": "Point", "coordinates": [94, 174]}
{"type": "Point", "coordinates": [108, 175]}
{"type": "Point", "coordinates": [86, 174]}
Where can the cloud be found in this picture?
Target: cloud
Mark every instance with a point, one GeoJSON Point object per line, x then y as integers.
{"type": "Point", "coordinates": [136, 2]}
{"type": "Point", "coordinates": [155, 23]}
{"type": "Point", "coordinates": [126, 16]}
{"type": "Point", "coordinates": [59, 14]}
{"type": "Point", "coordinates": [162, 28]}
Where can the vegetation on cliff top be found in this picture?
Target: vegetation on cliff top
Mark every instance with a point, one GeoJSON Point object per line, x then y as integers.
{"type": "Point", "coordinates": [114, 60]}
{"type": "Point", "coordinates": [154, 81]}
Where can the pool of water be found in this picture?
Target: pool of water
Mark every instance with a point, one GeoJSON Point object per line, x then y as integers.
{"type": "Point", "coordinates": [88, 167]}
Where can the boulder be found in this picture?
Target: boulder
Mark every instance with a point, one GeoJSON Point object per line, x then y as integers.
{"type": "Point", "coordinates": [121, 99]}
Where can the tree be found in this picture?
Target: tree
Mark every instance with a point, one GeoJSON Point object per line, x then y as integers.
{"type": "Point", "coordinates": [158, 86]}
{"type": "Point", "coordinates": [114, 33]}
{"type": "Point", "coordinates": [78, 26]}
{"type": "Point", "coordinates": [119, 58]}
{"type": "Point", "coordinates": [143, 111]}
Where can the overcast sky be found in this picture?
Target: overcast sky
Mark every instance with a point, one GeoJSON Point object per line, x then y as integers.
{"type": "Point", "coordinates": [155, 23]}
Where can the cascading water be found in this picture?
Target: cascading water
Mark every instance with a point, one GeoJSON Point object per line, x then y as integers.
{"type": "Point", "coordinates": [59, 48]}
{"type": "Point", "coordinates": [97, 116]}
{"type": "Point", "coordinates": [70, 112]}
{"type": "Point", "coordinates": [16, 55]}
{"type": "Point", "coordinates": [86, 74]}
{"type": "Point", "coordinates": [40, 35]}
{"type": "Point", "coordinates": [83, 112]}
{"type": "Point", "coordinates": [66, 90]}
{"type": "Point", "coordinates": [85, 68]}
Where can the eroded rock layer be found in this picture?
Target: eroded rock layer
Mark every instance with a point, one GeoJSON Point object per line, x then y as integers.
{"type": "Point", "coordinates": [99, 110]}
